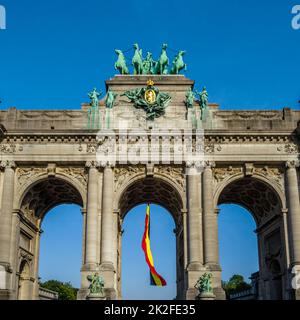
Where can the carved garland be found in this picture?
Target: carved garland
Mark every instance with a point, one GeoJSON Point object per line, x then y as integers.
{"type": "Point", "coordinates": [273, 174]}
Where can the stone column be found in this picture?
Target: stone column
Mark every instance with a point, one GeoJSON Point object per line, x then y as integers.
{"type": "Point", "coordinates": [185, 241]}
{"type": "Point", "coordinates": [36, 286]}
{"type": "Point", "coordinates": [293, 211]}
{"type": "Point", "coordinates": [210, 221]}
{"type": "Point", "coordinates": [194, 220]}
{"type": "Point", "coordinates": [107, 236]}
{"type": "Point", "coordinates": [83, 212]}
{"type": "Point", "coordinates": [6, 214]}
{"type": "Point", "coordinates": [92, 217]}
{"type": "Point", "coordinates": [15, 244]}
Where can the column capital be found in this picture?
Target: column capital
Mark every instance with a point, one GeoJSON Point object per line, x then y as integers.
{"type": "Point", "coordinates": [191, 164]}
{"type": "Point", "coordinates": [292, 164]}
{"type": "Point", "coordinates": [107, 164]}
{"type": "Point", "coordinates": [92, 164]}
{"type": "Point", "coordinates": [209, 165]}
{"type": "Point", "coordinates": [7, 164]}
{"type": "Point", "coordinates": [217, 211]}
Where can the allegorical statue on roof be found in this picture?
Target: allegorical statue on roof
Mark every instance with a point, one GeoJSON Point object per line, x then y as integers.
{"type": "Point", "coordinates": [203, 102]}
{"type": "Point", "coordinates": [110, 99]}
{"type": "Point", "coordinates": [94, 96]}
{"type": "Point", "coordinates": [190, 98]}
{"type": "Point", "coordinates": [148, 64]}
{"type": "Point", "coordinates": [93, 112]}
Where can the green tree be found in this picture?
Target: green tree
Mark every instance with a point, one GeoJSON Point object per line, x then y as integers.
{"type": "Point", "coordinates": [235, 284]}
{"type": "Point", "coordinates": [64, 289]}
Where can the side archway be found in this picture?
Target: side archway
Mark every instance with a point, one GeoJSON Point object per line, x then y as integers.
{"type": "Point", "coordinates": [37, 198]}
{"type": "Point", "coordinates": [266, 203]}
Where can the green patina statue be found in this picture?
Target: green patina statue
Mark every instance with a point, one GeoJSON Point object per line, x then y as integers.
{"type": "Point", "coordinates": [94, 96]}
{"type": "Point", "coordinates": [204, 285]}
{"type": "Point", "coordinates": [121, 63]}
{"type": "Point", "coordinates": [110, 99]}
{"type": "Point", "coordinates": [203, 102]}
{"type": "Point", "coordinates": [190, 97]}
{"type": "Point", "coordinates": [137, 60]}
{"type": "Point", "coordinates": [178, 63]}
{"type": "Point", "coordinates": [97, 284]}
{"type": "Point", "coordinates": [148, 64]}
{"type": "Point", "coordinates": [161, 66]}
{"type": "Point", "coordinates": [93, 112]}
{"type": "Point", "coordinates": [149, 99]}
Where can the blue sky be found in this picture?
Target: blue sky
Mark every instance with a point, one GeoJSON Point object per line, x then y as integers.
{"type": "Point", "coordinates": [61, 248]}
{"type": "Point", "coordinates": [55, 51]}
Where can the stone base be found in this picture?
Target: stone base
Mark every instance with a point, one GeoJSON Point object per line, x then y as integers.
{"type": "Point", "coordinates": [5, 294]}
{"type": "Point", "coordinates": [82, 294]}
{"type": "Point", "coordinates": [96, 297]}
{"type": "Point", "coordinates": [206, 296]}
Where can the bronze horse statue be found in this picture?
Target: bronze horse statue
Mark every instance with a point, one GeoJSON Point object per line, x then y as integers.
{"type": "Point", "coordinates": [137, 60]}
{"type": "Point", "coordinates": [121, 63]}
{"type": "Point", "coordinates": [161, 66]}
{"type": "Point", "coordinates": [178, 63]}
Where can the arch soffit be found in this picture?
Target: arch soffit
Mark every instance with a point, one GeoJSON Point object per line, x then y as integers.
{"type": "Point", "coordinates": [137, 178]}
{"type": "Point", "coordinates": [33, 181]}
{"type": "Point", "coordinates": [221, 186]}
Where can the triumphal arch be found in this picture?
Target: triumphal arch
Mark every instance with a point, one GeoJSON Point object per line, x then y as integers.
{"type": "Point", "coordinates": [151, 138]}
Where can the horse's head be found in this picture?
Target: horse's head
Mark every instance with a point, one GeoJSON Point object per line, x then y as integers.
{"type": "Point", "coordinates": [136, 46]}
{"type": "Point", "coordinates": [118, 52]}
{"type": "Point", "coordinates": [182, 53]}
{"type": "Point", "coordinates": [164, 46]}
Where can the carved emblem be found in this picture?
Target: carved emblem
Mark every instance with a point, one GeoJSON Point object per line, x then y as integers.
{"type": "Point", "coordinates": [150, 99]}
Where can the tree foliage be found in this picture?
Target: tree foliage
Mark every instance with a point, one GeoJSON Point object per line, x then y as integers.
{"type": "Point", "coordinates": [64, 289]}
{"type": "Point", "coordinates": [235, 284]}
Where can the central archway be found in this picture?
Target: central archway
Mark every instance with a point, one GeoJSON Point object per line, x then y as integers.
{"type": "Point", "coordinates": [262, 199]}
{"type": "Point", "coordinates": [159, 191]}
{"type": "Point", "coordinates": [136, 280]}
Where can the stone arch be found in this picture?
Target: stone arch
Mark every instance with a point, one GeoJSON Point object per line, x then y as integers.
{"type": "Point", "coordinates": [158, 189]}
{"type": "Point", "coordinates": [43, 193]}
{"type": "Point", "coordinates": [155, 189]}
{"type": "Point", "coordinates": [248, 191]}
{"type": "Point", "coordinates": [265, 201]}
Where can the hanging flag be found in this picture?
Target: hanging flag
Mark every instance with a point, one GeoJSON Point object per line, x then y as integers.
{"type": "Point", "coordinates": [156, 279]}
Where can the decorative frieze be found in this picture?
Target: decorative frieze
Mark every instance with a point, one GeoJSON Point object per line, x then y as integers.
{"type": "Point", "coordinates": [8, 148]}
{"type": "Point", "coordinates": [174, 173]}
{"type": "Point", "coordinates": [221, 173]}
{"type": "Point", "coordinates": [24, 174]}
{"type": "Point", "coordinates": [124, 173]}
{"type": "Point", "coordinates": [75, 173]}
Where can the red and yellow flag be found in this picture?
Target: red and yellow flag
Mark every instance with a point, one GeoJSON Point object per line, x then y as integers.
{"type": "Point", "coordinates": [157, 280]}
